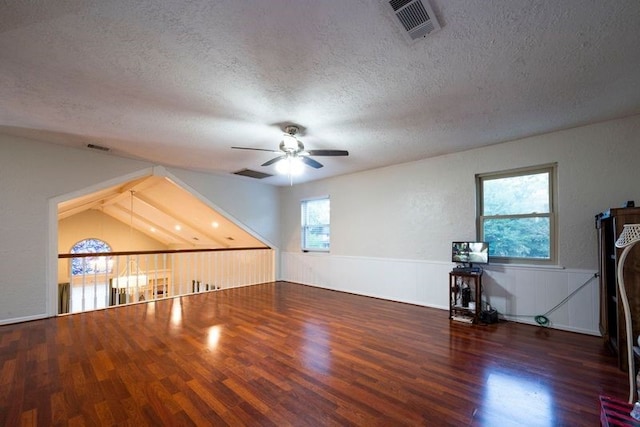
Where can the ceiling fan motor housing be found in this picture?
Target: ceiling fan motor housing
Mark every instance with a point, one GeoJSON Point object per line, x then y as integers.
{"type": "Point", "coordinates": [291, 147]}
{"type": "Point", "coordinates": [290, 144]}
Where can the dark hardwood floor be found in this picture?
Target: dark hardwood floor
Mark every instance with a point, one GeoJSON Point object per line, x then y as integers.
{"type": "Point", "coordinates": [285, 354]}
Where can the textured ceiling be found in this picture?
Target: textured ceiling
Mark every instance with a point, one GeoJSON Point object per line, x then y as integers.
{"type": "Point", "coordinates": [178, 83]}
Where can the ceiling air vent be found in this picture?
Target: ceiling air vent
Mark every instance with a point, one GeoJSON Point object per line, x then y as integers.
{"type": "Point", "coordinates": [415, 17]}
{"type": "Point", "coordinates": [98, 147]}
{"type": "Point", "coordinates": [252, 174]}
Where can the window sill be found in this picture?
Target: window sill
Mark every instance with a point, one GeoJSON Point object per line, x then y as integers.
{"type": "Point", "coordinates": [506, 266]}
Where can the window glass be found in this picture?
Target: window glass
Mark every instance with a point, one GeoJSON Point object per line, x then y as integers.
{"type": "Point", "coordinates": [523, 194]}
{"type": "Point", "coordinates": [91, 265]}
{"type": "Point", "coordinates": [516, 215]}
{"type": "Point", "coordinates": [316, 228]}
{"type": "Point", "coordinates": [518, 237]}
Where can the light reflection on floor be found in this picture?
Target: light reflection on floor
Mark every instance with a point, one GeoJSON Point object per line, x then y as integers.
{"type": "Point", "coordinates": [176, 312]}
{"type": "Point", "coordinates": [213, 336]}
{"type": "Point", "coordinates": [316, 354]}
{"type": "Point", "coordinates": [511, 399]}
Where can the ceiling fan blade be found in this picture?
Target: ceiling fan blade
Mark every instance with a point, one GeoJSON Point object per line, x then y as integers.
{"type": "Point", "coordinates": [256, 149]}
{"type": "Point", "coordinates": [328, 152]}
{"type": "Point", "coordinates": [309, 161]}
{"type": "Point", "coordinates": [272, 161]}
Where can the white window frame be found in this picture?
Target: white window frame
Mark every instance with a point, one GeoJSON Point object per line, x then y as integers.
{"type": "Point", "coordinates": [551, 169]}
{"type": "Point", "coordinates": [304, 225]}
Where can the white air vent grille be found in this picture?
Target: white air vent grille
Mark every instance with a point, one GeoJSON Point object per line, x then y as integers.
{"type": "Point", "coordinates": [416, 17]}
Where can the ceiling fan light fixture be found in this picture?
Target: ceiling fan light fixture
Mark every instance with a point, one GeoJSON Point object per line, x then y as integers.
{"type": "Point", "coordinates": [291, 166]}
{"type": "Point", "coordinates": [292, 155]}
{"type": "Point", "coordinates": [289, 142]}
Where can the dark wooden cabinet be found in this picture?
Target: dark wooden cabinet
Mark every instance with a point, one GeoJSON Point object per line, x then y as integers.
{"type": "Point", "coordinates": [609, 225]}
{"type": "Point", "coordinates": [465, 296]}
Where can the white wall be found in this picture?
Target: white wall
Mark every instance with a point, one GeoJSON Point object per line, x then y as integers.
{"type": "Point", "coordinates": [33, 173]}
{"type": "Point", "coordinates": [392, 228]}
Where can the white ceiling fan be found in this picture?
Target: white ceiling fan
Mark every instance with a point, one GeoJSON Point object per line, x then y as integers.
{"type": "Point", "coordinates": [291, 150]}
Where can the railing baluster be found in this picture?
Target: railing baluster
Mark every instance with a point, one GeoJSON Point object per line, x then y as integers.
{"type": "Point", "coordinates": [207, 263]}
{"type": "Point", "coordinates": [84, 268]}
{"type": "Point", "coordinates": [197, 273]}
{"type": "Point", "coordinates": [173, 275]}
{"type": "Point", "coordinates": [95, 285]}
{"type": "Point", "coordinates": [70, 285]}
{"type": "Point", "coordinates": [221, 270]}
{"type": "Point", "coordinates": [181, 280]}
{"type": "Point", "coordinates": [107, 272]}
{"type": "Point", "coordinates": [167, 281]}
{"type": "Point", "coordinates": [216, 269]}
{"type": "Point", "coordinates": [113, 294]}
{"type": "Point", "coordinates": [242, 271]}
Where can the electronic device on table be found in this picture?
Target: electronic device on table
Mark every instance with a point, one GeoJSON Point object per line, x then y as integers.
{"type": "Point", "coordinates": [470, 256]}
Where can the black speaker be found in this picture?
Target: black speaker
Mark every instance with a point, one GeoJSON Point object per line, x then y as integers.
{"type": "Point", "coordinates": [489, 316]}
{"type": "Point", "coordinates": [466, 296]}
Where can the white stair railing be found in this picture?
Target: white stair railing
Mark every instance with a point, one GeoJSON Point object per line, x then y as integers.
{"type": "Point", "coordinates": [132, 277]}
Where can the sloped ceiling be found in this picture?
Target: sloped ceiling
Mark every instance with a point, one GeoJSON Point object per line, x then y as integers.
{"type": "Point", "coordinates": [178, 83]}
{"type": "Point", "coordinates": [165, 212]}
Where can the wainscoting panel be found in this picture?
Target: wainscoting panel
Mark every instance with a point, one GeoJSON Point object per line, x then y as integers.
{"type": "Point", "coordinates": [415, 282]}
{"type": "Point", "coordinates": [519, 293]}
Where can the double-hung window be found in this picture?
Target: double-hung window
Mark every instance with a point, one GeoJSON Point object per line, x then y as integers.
{"type": "Point", "coordinates": [316, 228]}
{"type": "Point", "coordinates": [516, 214]}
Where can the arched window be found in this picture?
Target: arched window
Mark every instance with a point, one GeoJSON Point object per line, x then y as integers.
{"type": "Point", "coordinates": [91, 265]}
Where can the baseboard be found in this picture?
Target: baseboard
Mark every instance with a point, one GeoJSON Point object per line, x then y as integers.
{"type": "Point", "coordinates": [23, 319]}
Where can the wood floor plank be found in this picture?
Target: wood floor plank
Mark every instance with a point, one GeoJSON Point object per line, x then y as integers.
{"type": "Point", "coordinates": [213, 398]}
{"type": "Point", "coordinates": [77, 421]}
{"type": "Point", "coordinates": [286, 354]}
{"type": "Point", "coordinates": [191, 410]}
{"type": "Point", "coordinates": [29, 418]}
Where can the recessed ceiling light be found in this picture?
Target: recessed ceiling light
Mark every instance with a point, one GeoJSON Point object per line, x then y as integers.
{"type": "Point", "coordinates": [178, 228]}
{"type": "Point", "coordinates": [153, 229]}
{"type": "Point", "coordinates": [215, 224]}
